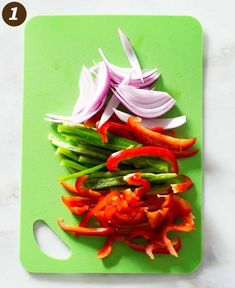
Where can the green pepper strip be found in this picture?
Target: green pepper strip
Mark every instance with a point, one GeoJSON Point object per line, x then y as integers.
{"type": "Point", "coordinates": [92, 137]}
{"type": "Point", "coordinates": [82, 173]}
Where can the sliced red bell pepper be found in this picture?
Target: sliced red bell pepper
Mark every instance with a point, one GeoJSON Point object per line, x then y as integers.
{"type": "Point", "coordinates": [152, 138]}
{"type": "Point", "coordinates": [185, 153]}
{"type": "Point", "coordinates": [135, 179]}
{"type": "Point", "coordinates": [84, 191]}
{"type": "Point", "coordinates": [157, 217]}
{"type": "Point", "coordinates": [174, 188]}
{"type": "Point", "coordinates": [99, 231]}
{"type": "Point", "coordinates": [181, 187]}
{"type": "Point", "coordinates": [154, 248]}
{"type": "Point", "coordinates": [115, 158]}
{"type": "Point", "coordinates": [78, 205]}
{"type": "Point", "coordinates": [91, 122]}
{"type": "Point", "coordinates": [107, 248]}
{"type": "Point", "coordinates": [115, 128]}
{"type": "Point", "coordinates": [79, 210]}
{"type": "Point", "coordinates": [157, 129]}
{"type": "Point", "coordinates": [100, 205]}
{"type": "Point", "coordinates": [74, 201]}
{"type": "Point", "coordinates": [181, 209]}
{"type": "Point", "coordinates": [69, 187]}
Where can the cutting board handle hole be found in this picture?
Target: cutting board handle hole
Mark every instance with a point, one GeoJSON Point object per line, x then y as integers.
{"type": "Point", "coordinates": [49, 242]}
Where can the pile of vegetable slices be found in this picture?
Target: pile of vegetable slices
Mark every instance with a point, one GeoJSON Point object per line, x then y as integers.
{"type": "Point", "coordinates": [124, 180]}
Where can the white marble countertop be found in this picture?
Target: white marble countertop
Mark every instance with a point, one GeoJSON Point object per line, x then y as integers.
{"type": "Point", "coordinates": [218, 21]}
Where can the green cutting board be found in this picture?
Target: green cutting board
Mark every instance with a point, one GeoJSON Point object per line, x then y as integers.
{"type": "Point", "coordinates": [56, 47]}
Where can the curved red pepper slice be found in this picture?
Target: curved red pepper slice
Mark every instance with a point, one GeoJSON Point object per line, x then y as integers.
{"type": "Point", "coordinates": [180, 208]}
{"type": "Point", "coordinates": [76, 204]}
{"type": "Point", "coordinates": [154, 248]}
{"type": "Point", "coordinates": [186, 153]}
{"type": "Point", "coordinates": [73, 201]}
{"type": "Point", "coordinates": [115, 128]}
{"type": "Point", "coordinates": [115, 158]}
{"type": "Point", "coordinates": [69, 187]}
{"type": "Point", "coordinates": [136, 180]}
{"type": "Point", "coordinates": [174, 188]}
{"type": "Point", "coordinates": [100, 205]}
{"type": "Point", "coordinates": [149, 137]}
{"type": "Point", "coordinates": [107, 248]}
{"type": "Point", "coordinates": [84, 191]}
{"type": "Point", "coordinates": [181, 187]}
{"type": "Point", "coordinates": [157, 129]}
{"type": "Point", "coordinates": [99, 231]}
{"type": "Point", "coordinates": [157, 217]}
{"type": "Point", "coordinates": [79, 210]}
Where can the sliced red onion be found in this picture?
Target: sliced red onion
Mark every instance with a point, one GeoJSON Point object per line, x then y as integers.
{"type": "Point", "coordinates": [119, 73]}
{"type": "Point", "coordinates": [165, 123]}
{"type": "Point", "coordinates": [113, 103]}
{"type": "Point", "coordinates": [92, 96]}
{"type": "Point", "coordinates": [86, 85]}
{"type": "Point", "coordinates": [130, 54]}
{"type": "Point", "coordinates": [132, 98]}
{"type": "Point", "coordinates": [108, 111]}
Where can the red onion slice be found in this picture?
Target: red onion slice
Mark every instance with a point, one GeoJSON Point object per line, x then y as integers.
{"type": "Point", "coordinates": [117, 74]}
{"type": "Point", "coordinates": [86, 87]}
{"type": "Point", "coordinates": [165, 123]}
{"type": "Point", "coordinates": [131, 99]}
{"type": "Point", "coordinates": [130, 54]}
{"type": "Point", "coordinates": [93, 94]}
{"type": "Point", "coordinates": [108, 111]}
{"type": "Point", "coordinates": [113, 103]}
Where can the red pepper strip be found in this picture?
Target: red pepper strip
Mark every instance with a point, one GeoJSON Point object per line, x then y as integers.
{"type": "Point", "coordinates": [107, 248]}
{"type": "Point", "coordinates": [154, 248]}
{"type": "Point", "coordinates": [179, 207]}
{"type": "Point", "coordinates": [186, 153]}
{"type": "Point", "coordinates": [100, 231]}
{"type": "Point", "coordinates": [157, 217]}
{"type": "Point", "coordinates": [162, 190]}
{"type": "Point", "coordinates": [76, 204]}
{"type": "Point", "coordinates": [122, 132]}
{"type": "Point", "coordinates": [175, 188]}
{"type": "Point", "coordinates": [139, 217]}
{"type": "Point", "coordinates": [130, 197]}
{"type": "Point", "coordinates": [100, 205]}
{"type": "Point", "coordinates": [183, 209]}
{"type": "Point", "coordinates": [93, 120]}
{"type": "Point", "coordinates": [73, 201]}
{"type": "Point", "coordinates": [122, 204]}
{"type": "Point", "coordinates": [84, 191]}
{"type": "Point", "coordinates": [115, 158]}
{"type": "Point", "coordinates": [125, 217]}
{"type": "Point", "coordinates": [148, 137]}
{"type": "Point", "coordinates": [79, 210]}
{"type": "Point", "coordinates": [69, 187]}
{"type": "Point", "coordinates": [157, 129]}
{"type": "Point", "coordinates": [116, 128]}
{"type": "Point", "coordinates": [136, 180]}
{"type": "Point", "coordinates": [86, 219]}
{"type": "Point", "coordinates": [181, 187]}
{"type": "Point", "coordinates": [186, 227]}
